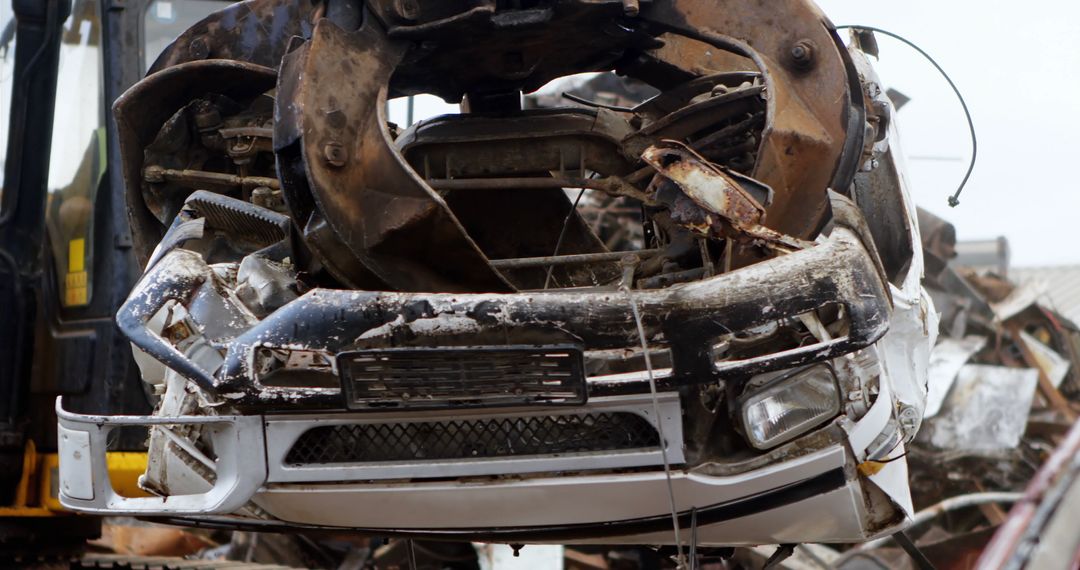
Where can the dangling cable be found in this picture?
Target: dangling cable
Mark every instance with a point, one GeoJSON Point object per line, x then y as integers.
{"type": "Point", "coordinates": [954, 200]}
{"type": "Point", "coordinates": [693, 540]}
{"type": "Point", "coordinates": [411, 552]}
{"type": "Point", "coordinates": [562, 235]}
{"type": "Point", "coordinates": [659, 424]}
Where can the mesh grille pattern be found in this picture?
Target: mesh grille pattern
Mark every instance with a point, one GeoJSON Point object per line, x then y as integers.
{"type": "Point", "coordinates": [489, 376]}
{"type": "Point", "coordinates": [473, 439]}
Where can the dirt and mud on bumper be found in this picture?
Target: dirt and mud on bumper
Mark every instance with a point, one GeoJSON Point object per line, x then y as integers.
{"type": "Point", "coordinates": [345, 327]}
{"type": "Point", "coordinates": [775, 504]}
{"type": "Point", "coordinates": [287, 464]}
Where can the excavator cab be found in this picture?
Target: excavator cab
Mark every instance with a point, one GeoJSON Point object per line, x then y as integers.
{"type": "Point", "coordinates": [66, 261]}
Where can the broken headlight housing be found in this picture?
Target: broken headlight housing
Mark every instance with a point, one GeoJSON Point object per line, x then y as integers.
{"type": "Point", "coordinates": [789, 406]}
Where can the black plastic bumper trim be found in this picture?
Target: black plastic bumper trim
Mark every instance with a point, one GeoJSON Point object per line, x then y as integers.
{"type": "Point", "coordinates": [825, 482]}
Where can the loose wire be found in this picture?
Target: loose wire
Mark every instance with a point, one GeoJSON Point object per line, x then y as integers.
{"type": "Point", "coordinates": [954, 200]}
{"type": "Point", "coordinates": [680, 561]}
{"type": "Point", "coordinates": [562, 235]}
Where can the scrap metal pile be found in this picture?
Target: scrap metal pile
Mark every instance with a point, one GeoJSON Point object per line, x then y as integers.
{"type": "Point", "coordinates": [1003, 394]}
{"type": "Point", "coordinates": [1006, 362]}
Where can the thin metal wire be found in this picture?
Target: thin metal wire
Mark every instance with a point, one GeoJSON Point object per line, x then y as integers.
{"type": "Point", "coordinates": [954, 200]}
{"type": "Point", "coordinates": [693, 540]}
{"type": "Point", "coordinates": [562, 235]}
{"type": "Point", "coordinates": [659, 425]}
{"type": "Point", "coordinates": [412, 555]}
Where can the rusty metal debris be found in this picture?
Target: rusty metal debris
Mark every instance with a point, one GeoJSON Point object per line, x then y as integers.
{"type": "Point", "coordinates": [713, 192]}
{"type": "Point", "coordinates": [989, 469]}
{"type": "Point", "coordinates": [371, 237]}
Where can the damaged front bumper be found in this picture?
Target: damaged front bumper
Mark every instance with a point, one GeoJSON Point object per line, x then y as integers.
{"type": "Point", "coordinates": [815, 495]}
{"type": "Point", "coordinates": [687, 318]}
{"type": "Point", "coordinates": [380, 470]}
{"type": "Point", "coordinates": [499, 499]}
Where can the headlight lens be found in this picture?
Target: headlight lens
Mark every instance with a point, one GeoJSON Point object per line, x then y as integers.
{"type": "Point", "coordinates": [790, 407]}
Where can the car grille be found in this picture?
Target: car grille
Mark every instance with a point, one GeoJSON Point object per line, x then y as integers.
{"type": "Point", "coordinates": [468, 376]}
{"type": "Point", "coordinates": [474, 438]}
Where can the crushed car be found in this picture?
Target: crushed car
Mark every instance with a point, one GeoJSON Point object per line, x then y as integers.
{"type": "Point", "coordinates": [413, 331]}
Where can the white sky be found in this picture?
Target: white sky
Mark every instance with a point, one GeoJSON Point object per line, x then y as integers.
{"type": "Point", "coordinates": [1018, 66]}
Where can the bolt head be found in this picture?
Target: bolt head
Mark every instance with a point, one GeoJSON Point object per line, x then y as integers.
{"type": "Point", "coordinates": [198, 49]}
{"type": "Point", "coordinates": [802, 54]}
{"type": "Point", "coordinates": [335, 155]}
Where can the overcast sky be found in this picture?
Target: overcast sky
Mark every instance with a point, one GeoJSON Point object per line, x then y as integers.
{"type": "Point", "coordinates": [1018, 66]}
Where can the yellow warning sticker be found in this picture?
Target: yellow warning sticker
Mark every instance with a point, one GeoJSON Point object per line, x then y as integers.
{"type": "Point", "coordinates": [76, 290]}
{"type": "Point", "coordinates": [76, 255]}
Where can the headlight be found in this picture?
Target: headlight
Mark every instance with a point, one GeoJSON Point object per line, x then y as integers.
{"type": "Point", "coordinates": [790, 406]}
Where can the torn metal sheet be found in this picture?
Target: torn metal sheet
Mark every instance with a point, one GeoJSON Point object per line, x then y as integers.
{"type": "Point", "coordinates": [986, 411]}
{"type": "Point", "coordinates": [719, 205]}
{"type": "Point", "coordinates": [946, 360]}
{"type": "Point", "coordinates": [1020, 298]}
{"type": "Point", "coordinates": [1055, 365]}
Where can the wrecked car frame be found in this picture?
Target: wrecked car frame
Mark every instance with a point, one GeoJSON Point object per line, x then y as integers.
{"type": "Point", "coordinates": [415, 331]}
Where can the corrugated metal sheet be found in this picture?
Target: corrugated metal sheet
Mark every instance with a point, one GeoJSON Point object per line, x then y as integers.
{"type": "Point", "coordinates": [1061, 283]}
